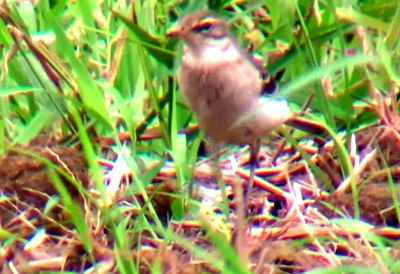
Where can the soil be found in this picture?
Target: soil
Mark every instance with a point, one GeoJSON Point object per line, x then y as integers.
{"type": "Point", "coordinates": [279, 242]}
{"type": "Point", "coordinates": [26, 181]}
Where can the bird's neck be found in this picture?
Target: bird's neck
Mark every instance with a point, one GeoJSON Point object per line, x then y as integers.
{"type": "Point", "coordinates": [213, 51]}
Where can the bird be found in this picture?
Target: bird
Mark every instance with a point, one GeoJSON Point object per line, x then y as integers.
{"type": "Point", "coordinates": [224, 86]}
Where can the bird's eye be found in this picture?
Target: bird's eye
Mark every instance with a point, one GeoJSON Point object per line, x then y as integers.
{"type": "Point", "coordinates": [202, 27]}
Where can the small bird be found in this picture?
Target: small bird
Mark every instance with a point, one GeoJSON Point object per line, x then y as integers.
{"type": "Point", "coordinates": [224, 86]}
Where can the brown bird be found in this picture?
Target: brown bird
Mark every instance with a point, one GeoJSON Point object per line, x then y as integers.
{"type": "Point", "coordinates": [224, 86]}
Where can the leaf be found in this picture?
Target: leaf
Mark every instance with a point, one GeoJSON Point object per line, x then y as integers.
{"type": "Point", "coordinates": [162, 51]}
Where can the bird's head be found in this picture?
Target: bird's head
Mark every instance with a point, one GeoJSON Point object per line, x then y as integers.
{"type": "Point", "coordinates": [199, 28]}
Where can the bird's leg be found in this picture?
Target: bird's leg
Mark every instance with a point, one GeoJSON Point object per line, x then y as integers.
{"type": "Point", "coordinates": [254, 152]}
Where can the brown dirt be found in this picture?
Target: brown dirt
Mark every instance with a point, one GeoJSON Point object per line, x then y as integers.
{"type": "Point", "coordinates": [26, 181]}
{"type": "Point", "coordinates": [283, 245]}
{"type": "Point", "coordinates": [375, 202]}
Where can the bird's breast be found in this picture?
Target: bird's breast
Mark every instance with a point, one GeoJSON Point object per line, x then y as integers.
{"type": "Point", "coordinates": [220, 89]}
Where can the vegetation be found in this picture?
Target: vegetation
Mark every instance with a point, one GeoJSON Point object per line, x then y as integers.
{"type": "Point", "coordinates": [99, 149]}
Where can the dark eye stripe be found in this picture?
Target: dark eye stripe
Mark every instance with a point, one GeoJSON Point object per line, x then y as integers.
{"type": "Point", "coordinates": [202, 26]}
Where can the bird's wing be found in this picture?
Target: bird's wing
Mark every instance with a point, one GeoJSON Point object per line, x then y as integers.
{"type": "Point", "coordinates": [269, 86]}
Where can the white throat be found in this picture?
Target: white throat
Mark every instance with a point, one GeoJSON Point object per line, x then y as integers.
{"type": "Point", "coordinates": [213, 51]}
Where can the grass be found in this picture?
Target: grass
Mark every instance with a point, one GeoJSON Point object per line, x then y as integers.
{"type": "Point", "coordinates": [100, 77]}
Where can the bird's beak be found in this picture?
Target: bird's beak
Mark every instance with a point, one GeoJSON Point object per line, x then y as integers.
{"type": "Point", "coordinates": [174, 31]}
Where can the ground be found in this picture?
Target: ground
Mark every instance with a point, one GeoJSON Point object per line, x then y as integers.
{"type": "Point", "coordinates": [292, 236]}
